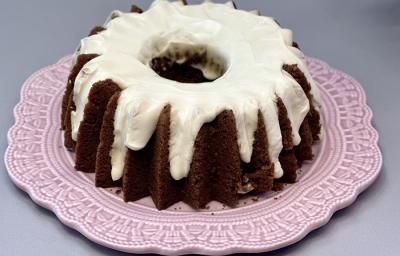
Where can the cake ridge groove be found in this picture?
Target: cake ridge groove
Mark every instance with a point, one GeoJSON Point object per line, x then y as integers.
{"type": "Point", "coordinates": [156, 124]}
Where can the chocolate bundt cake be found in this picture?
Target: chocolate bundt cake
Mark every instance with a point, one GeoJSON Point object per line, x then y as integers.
{"type": "Point", "coordinates": [190, 103]}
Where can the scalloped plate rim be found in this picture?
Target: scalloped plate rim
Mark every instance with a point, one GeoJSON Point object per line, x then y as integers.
{"type": "Point", "coordinates": [198, 249]}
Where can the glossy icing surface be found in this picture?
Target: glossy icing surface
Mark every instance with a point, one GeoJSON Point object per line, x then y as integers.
{"type": "Point", "coordinates": [245, 52]}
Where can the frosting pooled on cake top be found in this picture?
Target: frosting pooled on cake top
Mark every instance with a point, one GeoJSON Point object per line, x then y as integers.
{"type": "Point", "coordinates": [241, 52]}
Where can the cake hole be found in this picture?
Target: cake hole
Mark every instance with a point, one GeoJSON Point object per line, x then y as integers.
{"type": "Point", "coordinates": [186, 63]}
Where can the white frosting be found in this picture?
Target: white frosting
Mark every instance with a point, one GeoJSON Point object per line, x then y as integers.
{"type": "Point", "coordinates": [250, 49]}
{"type": "Point", "coordinates": [181, 46]}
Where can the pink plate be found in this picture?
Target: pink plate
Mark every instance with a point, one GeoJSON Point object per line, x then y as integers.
{"type": "Point", "coordinates": [347, 162]}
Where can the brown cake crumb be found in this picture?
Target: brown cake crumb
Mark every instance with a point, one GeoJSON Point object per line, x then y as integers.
{"type": "Point", "coordinates": [96, 30]}
{"type": "Point", "coordinates": [278, 186]}
{"type": "Point", "coordinates": [118, 191]}
{"type": "Point", "coordinates": [296, 45]}
{"type": "Point", "coordinates": [255, 199]}
{"type": "Point", "coordinates": [183, 73]}
{"type": "Point", "coordinates": [136, 9]}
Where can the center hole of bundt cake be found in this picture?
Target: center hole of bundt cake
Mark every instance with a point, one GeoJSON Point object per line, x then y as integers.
{"type": "Point", "coordinates": [189, 64]}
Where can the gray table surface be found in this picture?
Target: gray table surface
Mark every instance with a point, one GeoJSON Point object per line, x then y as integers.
{"type": "Point", "coordinates": [361, 38]}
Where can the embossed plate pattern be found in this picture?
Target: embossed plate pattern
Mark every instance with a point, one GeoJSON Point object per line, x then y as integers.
{"type": "Point", "coordinates": [347, 162]}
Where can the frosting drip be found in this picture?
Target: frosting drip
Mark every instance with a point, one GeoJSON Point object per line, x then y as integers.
{"type": "Point", "coordinates": [250, 52]}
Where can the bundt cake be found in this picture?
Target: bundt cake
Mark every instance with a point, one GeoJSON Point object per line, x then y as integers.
{"type": "Point", "coordinates": [190, 103]}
